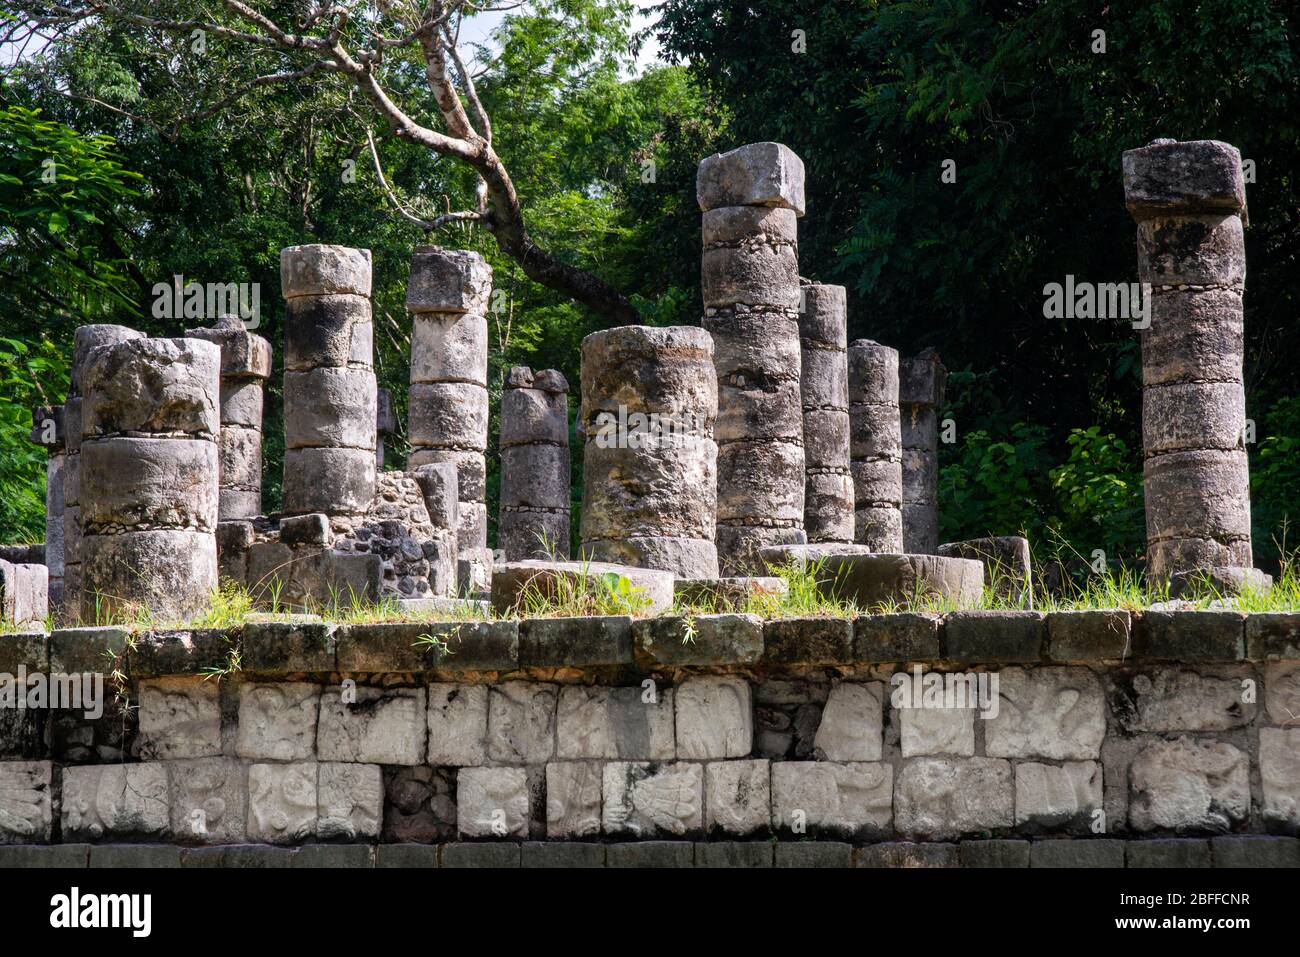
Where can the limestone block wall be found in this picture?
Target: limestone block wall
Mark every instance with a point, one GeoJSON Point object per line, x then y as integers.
{"type": "Point", "coordinates": [609, 736]}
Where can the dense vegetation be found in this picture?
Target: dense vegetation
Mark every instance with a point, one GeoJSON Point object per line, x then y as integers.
{"type": "Point", "coordinates": [874, 95]}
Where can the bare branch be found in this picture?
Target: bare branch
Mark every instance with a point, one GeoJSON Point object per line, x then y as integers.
{"type": "Point", "coordinates": [406, 214]}
{"type": "Point", "coordinates": [471, 93]}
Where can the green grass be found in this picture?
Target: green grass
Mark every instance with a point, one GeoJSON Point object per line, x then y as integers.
{"type": "Point", "coordinates": [595, 594]}
{"type": "Point", "coordinates": [581, 593]}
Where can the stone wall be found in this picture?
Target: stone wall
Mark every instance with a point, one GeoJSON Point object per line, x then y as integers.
{"type": "Point", "coordinates": [1168, 737]}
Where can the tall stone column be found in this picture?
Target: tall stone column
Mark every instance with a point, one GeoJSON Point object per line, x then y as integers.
{"type": "Point", "coordinates": [534, 520]}
{"type": "Point", "coordinates": [385, 424]}
{"type": "Point", "coordinates": [448, 296]}
{"type": "Point", "coordinates": [329, 381]}
{"type": "Point", "coordinates": [245, 367]}
{"type": "Point", "coordinates": [150, 424]}
{"type": "Point", "coordinates": [1189, 200]}
{"type": "Point", "coordinates": [921, 382]}
{"type": "Point", "coordinates": [824, 385]}
{"type": "Point", "coordinates": [876, 446]}
{"type": "Point", "coordinates": [48, 432]}
{"type": "Point", "coordinates": [85, 340]}
{"type": "Point", "coordinates": [751, 198]}
{"type": "Point", "coordinates": [649, 485]}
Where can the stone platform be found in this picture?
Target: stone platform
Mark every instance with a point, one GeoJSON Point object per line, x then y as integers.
{"type": "Point", "coordinates": [1092, 736]}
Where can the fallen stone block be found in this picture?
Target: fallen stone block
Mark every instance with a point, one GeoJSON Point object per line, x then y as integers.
{"type": "Point", "coordinates": [517, 585]}
{"type": "Point", "coordinates": [1007, 568]}
{"type": "Point", "coordinates": [876, 579]}
{"type": "Point", "coordinates": [24, 594]}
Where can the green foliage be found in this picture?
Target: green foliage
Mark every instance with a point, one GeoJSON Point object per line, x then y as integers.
{"type": "Point", "coordinates": [1275, 477]}
{"type": "Point", "coordinates": [1099, 496]}
{"type": "Point", "coordinates": [31, 373]}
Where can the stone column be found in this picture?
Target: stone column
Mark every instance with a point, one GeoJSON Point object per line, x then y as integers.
{"type": "Point", "coordinates": [85, 340]}
{"type": "Point", "coordinates": [150, 424]}
{"type": "Point", "coordinates": [1189, 200]}
{"type": "Point", "coordinates": [329, 381]}
{"type": "Point", "coordinates": [245, 367]}
{"type": "Point", "coordinates": [649, 486]}
{"type": "Point", "coordinates": [48, 432]}
{"type": "Point", "coordinates": [824, 385]}
{"type": "Point", "coordinates": [534, 520]}
{"type": "Point", "coordinates": [447, 411]}
{"type": "Point", "coordinates": [751, 198]}
{"type": "Point", "coordinates": [385, 424]}
{"type": "Point", "coordinates": [876, 446]}
{"type": "Point", "coordinates": [921, 381]}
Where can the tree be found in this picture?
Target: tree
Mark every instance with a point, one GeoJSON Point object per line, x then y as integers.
{"type": "Point", "coordinates": [378, 49]}
{"type": "Point", "coordinates": [60, 266]}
